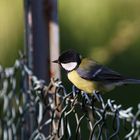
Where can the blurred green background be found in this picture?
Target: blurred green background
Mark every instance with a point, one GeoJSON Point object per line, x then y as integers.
{"type": "Point", "coordinates": [11, 30]}
{"type": "Point", "coordinates": [106, 30]}
{"type": "Point", "coordinates": [109, 32]}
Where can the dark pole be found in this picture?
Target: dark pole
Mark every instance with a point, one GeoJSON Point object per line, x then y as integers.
{"type": "Point", "coordinates": [42, 37]}
{"type": "Point", "coordinates": [45, 38]}
{"type": "Point", "coordinates": [41, 65]}
{"type": "Point", "coordinates": [41, 43]}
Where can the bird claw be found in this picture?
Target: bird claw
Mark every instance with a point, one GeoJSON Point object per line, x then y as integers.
{"type": "Point", "coordinates": [97, 96]}
{"type": "Point", "coordinates": [86, 99]}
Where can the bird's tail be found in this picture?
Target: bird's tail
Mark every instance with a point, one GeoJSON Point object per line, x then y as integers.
{"type": "Point", "coordinates": [131, 81]}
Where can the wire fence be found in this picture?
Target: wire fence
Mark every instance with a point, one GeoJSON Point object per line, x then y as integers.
{"type": "Point", "coordinates": [30, 110]}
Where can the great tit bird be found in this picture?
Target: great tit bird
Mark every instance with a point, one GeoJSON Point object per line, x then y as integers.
{"type": "Point", "coordinates": [89, 76]}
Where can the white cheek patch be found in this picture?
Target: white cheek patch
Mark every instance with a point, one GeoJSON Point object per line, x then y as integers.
{"type": "Point", "coordinates": [69, 66]}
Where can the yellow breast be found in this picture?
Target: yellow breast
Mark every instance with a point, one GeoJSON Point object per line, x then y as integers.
{"type": "Point", "coordinates": [85, 85]}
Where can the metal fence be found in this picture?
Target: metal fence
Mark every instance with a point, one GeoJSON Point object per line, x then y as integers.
{"type": "Point", "coordinates": [31, 110]}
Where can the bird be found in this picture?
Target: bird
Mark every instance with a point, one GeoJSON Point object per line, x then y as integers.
{"type": "Point", "coordinates": [89, 76]}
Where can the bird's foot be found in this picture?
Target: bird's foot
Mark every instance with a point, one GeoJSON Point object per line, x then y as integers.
{"type": "Point", "coordinates": [99, 98]}
{"type": "Point", "coordinates": [75, 90]}
{"type": "Point", "coordinates": [96, 95]}
{"type": "Point", "coordinates": [85, 98]}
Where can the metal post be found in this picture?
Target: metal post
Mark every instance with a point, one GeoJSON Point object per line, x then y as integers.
{"type": "Point", "coordinates": [41, 42]}
{"type": "Point", "coordinates": [41, 65]}
{"type": "Point", "coordinates": [45, 38]}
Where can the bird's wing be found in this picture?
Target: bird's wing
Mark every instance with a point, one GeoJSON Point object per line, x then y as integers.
{"type": "Point", "coordinates": [91, 70]}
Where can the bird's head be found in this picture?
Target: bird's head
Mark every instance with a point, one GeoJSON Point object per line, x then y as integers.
{"type": "Point", "coordinates": [69, 60]}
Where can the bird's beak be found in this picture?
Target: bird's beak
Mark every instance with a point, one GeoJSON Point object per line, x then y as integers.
{"type": "Point", "coordinates": [55, 61]}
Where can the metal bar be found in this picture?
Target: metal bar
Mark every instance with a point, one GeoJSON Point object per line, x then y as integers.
{"type": "Point", "coordinates": [42, 43]}
{"type": "Point", "coordinates": [41, 65]}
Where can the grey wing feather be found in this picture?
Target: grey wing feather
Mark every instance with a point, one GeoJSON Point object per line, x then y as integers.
{"type": "Point", "coordinates": [100, 73]}
{"type": "Point", "coordinates": [107, 74]}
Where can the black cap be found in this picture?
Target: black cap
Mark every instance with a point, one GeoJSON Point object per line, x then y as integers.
{"type": "Point", "coordinates": [70, 56]}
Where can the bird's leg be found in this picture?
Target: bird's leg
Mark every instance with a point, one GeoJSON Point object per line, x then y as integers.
{"type": "Point", "coordinates": [96, 95]}
{"type": "Point", "coordinates": [94, 99]}
{"type": "Point", "coordinates": [99, 98]}
{"type": "Point", "coordinates": [86, 99]}
{"type": "Point", "coordinates": [75, 90]}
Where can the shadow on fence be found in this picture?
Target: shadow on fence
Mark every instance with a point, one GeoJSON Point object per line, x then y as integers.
{"type": "Point", "coordinates": [31, 110]}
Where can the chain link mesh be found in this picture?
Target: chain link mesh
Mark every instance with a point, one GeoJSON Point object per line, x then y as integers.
{"type": "Point", "coordinates": [31, 110]}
